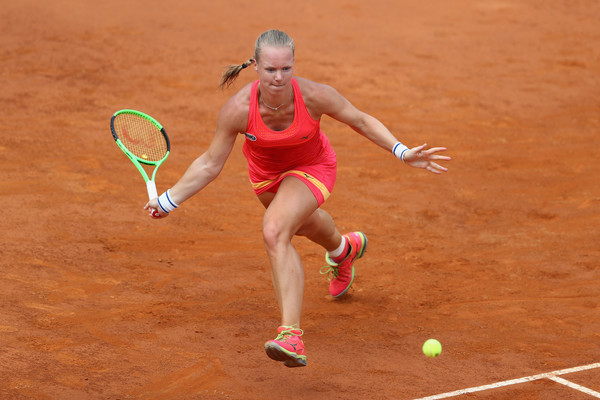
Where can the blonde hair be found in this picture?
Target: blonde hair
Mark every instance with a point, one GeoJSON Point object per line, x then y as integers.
{"type": "Point", "coordinates": [270, 38]}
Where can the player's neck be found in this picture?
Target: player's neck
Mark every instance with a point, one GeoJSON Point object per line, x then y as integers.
{"type": "Point", "coordinates": [275, 103]}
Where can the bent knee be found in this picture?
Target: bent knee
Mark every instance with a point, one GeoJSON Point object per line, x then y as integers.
{"type": "Point", "coordinates": [274, 234]}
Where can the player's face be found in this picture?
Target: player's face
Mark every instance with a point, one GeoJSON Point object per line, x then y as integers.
{"type": "Point", "coordinates": [275, 68]}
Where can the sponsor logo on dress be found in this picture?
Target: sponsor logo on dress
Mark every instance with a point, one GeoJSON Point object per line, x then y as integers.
{"type": "Point", "coordinates": [250, 136]}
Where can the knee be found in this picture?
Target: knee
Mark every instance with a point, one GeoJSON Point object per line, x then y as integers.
{"type": "Point", "coordinates": [273, 234]}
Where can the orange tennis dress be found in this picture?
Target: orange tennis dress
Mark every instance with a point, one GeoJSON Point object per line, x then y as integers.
{"type": "Point", "coordinates": [302, 150]}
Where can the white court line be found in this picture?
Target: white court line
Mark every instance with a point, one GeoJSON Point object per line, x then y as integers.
{"type": "Point", "coordinates": [548, 375]}
{"type": "Point", "coordinates": [575, 386]}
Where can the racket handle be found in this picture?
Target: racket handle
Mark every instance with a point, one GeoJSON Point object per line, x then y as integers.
{"type": "Point", "coordinates": [152, 194]}
{"type": "Point", "coordinates": [151, 187]}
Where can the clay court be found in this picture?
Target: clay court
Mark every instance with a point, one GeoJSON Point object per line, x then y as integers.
{"type": "Point", "coordinates": [498, 259]}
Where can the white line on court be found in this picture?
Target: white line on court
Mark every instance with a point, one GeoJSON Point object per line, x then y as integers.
{"type": "Point", "coordinates": [548, 375]}
{"type": "Point", "coordinates": [575, 386]}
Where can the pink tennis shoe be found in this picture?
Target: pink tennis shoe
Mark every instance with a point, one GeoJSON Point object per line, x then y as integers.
{"type": "Point", "coordinates": [341, 274]}
{"type": "Point", "coordinates": [287, 347]}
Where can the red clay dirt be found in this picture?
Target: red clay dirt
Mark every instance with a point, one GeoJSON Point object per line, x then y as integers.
{"type": "Point", "coordinates": [497, 259]}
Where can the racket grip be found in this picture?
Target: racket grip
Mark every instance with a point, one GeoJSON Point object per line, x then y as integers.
{"type": "Point", "coordinates": [151, 187]}
{"type": "Point", "coordinates": [152, 194]}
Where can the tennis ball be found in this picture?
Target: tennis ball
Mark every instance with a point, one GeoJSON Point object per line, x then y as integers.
{"type": "Point", "coordinates": [432, 348]}
{"type": "Point", "coordinates": [145, 156]}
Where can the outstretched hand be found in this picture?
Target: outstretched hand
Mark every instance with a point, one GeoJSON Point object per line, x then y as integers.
{"type": "Point", "coordinates": [420, 157]}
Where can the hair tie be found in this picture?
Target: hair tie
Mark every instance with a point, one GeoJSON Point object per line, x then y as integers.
{"type": "Point", "coordinates": [244, 65]}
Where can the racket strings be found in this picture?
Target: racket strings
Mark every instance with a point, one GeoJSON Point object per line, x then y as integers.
{"type": "Point", "coordinates": [141, 137]}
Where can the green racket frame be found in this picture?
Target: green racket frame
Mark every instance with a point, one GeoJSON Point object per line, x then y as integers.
{"type": "Point", "coordinates": [138, 161]}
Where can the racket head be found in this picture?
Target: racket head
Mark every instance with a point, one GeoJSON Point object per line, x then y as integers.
{"type": "Point", "coordinates": [140, 136]}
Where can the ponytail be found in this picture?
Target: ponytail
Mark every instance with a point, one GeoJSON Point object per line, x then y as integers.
{"type": "Point", "coordinates": [232, 71]}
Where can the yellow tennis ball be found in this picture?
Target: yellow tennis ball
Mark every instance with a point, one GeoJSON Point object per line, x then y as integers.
{"type": "Point", "coordinates": [145, 156]}
{"type": "Point", "coordinates": [432, 348]}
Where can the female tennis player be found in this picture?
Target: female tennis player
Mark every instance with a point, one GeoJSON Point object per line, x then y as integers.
{"type": "Point", "coordinates": [292, 168]}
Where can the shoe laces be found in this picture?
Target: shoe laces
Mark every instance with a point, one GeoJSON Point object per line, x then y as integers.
{"type": "Point", "coordinates": [287, 332]}
{"type": "Point", "coordinates": [331, 269]}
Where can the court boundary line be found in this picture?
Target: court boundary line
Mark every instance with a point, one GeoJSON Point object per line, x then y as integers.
{"type": "Point", "coordinates": [548, 375]}
{"type": "Point", "coordinates": [575, 386]}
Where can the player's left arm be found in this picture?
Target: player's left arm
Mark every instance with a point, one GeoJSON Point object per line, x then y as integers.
{"type": "Point", "coordinates": [326, 100]}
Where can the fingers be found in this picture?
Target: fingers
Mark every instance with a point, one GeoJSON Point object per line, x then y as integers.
{"type": "Point", "coordinates": [420, 148]}
{"type": "Point", "coordinates": [443, 158]}
{"type": "Point", "coordinates": [430, 155]}
{"type": "Point", "coordinates": [436, 168]}
{"type": "Point", "coordinates": [153, 212]}
{"type": "Point", "coordinates": [434, 150]}
{"type": "Point", "coordinates": [418, 157]}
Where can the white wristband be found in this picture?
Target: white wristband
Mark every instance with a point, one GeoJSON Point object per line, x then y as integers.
{"type": "Point", "coordinates": [166, 203]}
{"type": "Point", "coordinates": [399, 150]}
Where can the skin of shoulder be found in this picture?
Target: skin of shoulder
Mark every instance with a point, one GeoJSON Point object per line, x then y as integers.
{"type": "Point", "coordinates": [323, 99]}
{"type": "Point", "coordinates": [231, 121]}
{"type": "Point", "coordinates": [233, 116]}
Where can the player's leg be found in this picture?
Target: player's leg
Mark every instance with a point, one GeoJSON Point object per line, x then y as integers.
{"type": "Point", "coordinates": [342, 251]}
{"type": "Point", "coordinates": [285, 214]}
{"type": "Point", "coordinates": [320, 229]}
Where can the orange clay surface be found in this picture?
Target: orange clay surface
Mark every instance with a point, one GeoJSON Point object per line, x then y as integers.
{"type": "Point", "coordinates": [498, 259]}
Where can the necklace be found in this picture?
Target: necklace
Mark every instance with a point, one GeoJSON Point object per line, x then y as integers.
{"type": "Point", "coordinates": [279, 106]}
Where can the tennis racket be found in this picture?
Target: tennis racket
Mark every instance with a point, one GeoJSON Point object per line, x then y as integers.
{"type": "Point", "coordinates": [144, 141]}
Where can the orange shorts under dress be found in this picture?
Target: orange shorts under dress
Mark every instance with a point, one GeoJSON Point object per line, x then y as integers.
{"type": "Point", "coordinates": [319, 178]}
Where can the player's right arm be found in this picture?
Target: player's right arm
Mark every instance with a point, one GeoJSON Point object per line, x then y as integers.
{"type": "Point", "coordinates": [232, 119]}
